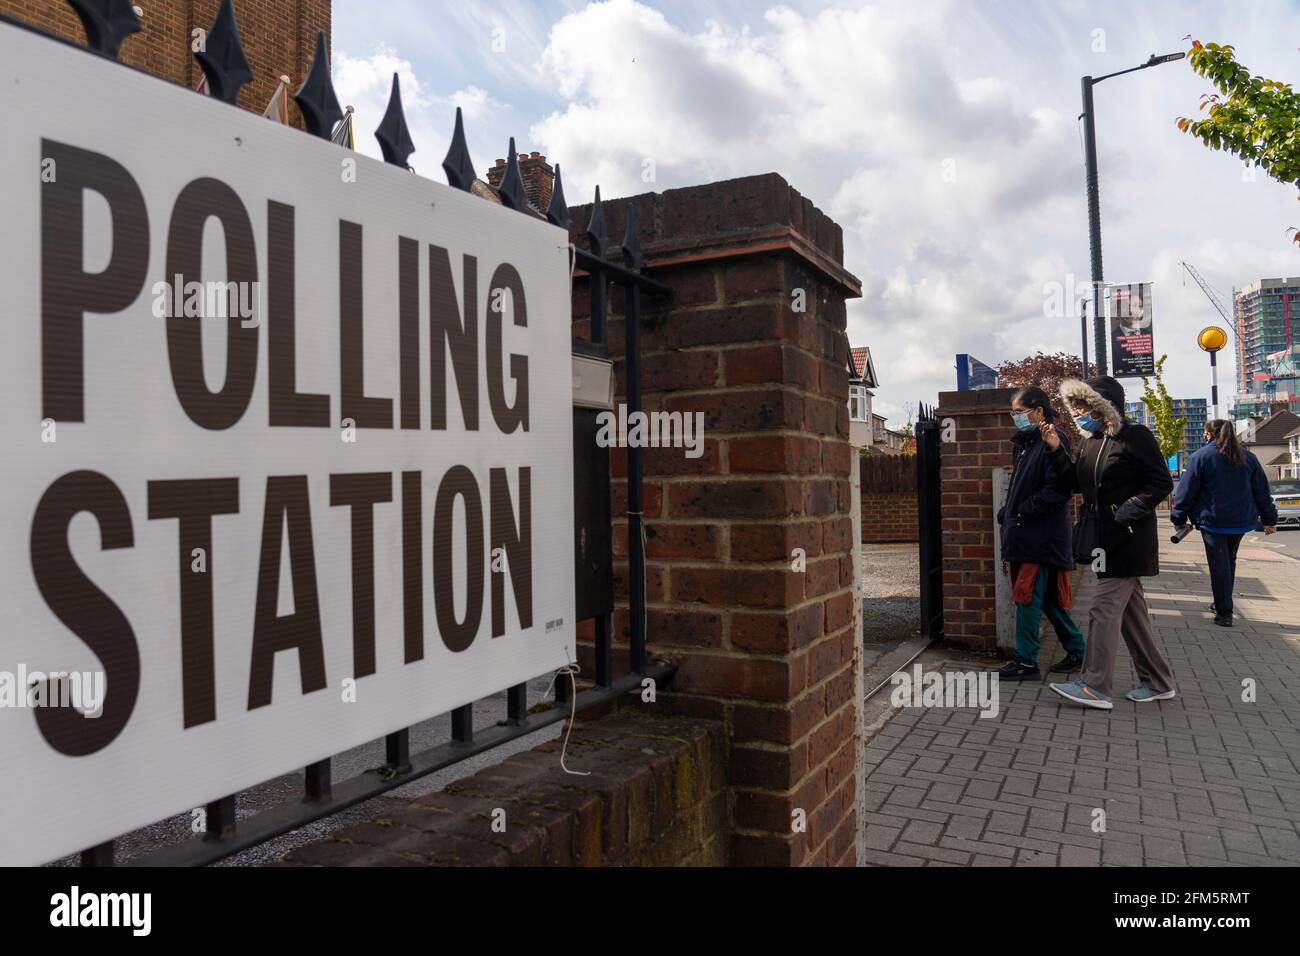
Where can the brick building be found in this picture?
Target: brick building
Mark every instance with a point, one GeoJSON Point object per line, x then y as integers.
{"type": "Point", "coordinates": [279, 38]}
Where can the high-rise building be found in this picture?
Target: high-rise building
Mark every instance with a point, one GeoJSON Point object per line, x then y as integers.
{"type": "Point", "coordinates": [1267, 311]}
{"type": "Point", "coordinates": [1195, 410]}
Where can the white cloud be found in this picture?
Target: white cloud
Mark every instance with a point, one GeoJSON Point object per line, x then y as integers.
{"type": "Point", "coordinates": [934, 176]}
{"type": "Point", "coordinates": [942, 136]}
{"type": "Point", "coordinates": [365, 82]}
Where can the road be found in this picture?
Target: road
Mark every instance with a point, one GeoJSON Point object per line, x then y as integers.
{"type": "Point", "coordinates": [1286, 544]}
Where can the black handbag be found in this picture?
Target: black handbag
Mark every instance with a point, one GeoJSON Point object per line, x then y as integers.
{"type": "Point", "coordinates": [1087, 530]}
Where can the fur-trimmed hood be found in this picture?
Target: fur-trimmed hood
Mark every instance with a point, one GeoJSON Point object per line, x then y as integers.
{"type": "Point", "coordinates": [1074, 391]}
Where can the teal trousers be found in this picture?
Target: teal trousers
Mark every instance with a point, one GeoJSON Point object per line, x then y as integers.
{"type": "Point", "coordinates": [1029, 616]}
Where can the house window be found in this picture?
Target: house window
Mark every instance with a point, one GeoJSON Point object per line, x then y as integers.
{"type": "Point", "coordinates": [858, 403]}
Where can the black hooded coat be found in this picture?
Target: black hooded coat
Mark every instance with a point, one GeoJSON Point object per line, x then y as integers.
{"type": "Point", "coordinates": [1133, 480]}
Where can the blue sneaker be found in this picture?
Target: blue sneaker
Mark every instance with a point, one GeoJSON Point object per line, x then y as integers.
{"type": "Point", "coordinates": [1080, 693]}
{"type": "Point", "coordinates": [1142, 694]}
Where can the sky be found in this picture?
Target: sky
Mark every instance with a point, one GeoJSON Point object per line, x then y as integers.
{"type": "Point", "coordinates": [942, 136]}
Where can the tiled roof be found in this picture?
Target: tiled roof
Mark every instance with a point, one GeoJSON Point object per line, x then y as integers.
{"type": "Point", "coordinates": [1274, 429]}
{"type": "Point", "coordinates": [863, 368]}
{"type": "Point", "coordinates": [1282, 459]}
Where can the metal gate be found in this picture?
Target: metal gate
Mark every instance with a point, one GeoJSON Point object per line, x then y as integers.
{"type": "Point", "coordinates": [929, 523]}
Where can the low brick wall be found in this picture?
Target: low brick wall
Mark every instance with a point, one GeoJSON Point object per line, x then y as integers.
{"type": "Point", "coordinates": [889, 517]}
{"type": "Point", "coordinates": [656, 796]}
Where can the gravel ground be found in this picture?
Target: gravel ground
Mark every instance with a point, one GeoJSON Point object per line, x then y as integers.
{"type": "Point", "coordinates": [891, 582]}
{"type": "Point", "coordinates": [347, 764]}
{"type": "Point", "coordinates": [891, 592]}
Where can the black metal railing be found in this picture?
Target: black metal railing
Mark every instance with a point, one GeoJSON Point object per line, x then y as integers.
{"type": "Point", "coordinates": [107, 24]}
{"type": "Point", "coordinates": [929, 522]}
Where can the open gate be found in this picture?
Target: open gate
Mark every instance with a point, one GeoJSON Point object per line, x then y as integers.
{"type": "Point", "coordinates": [929, 523]}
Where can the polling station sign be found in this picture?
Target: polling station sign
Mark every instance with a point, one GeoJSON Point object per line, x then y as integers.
{"type": "Point", "coordinates": [287, 446]}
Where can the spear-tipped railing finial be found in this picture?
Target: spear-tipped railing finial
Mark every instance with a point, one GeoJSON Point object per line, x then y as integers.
{"type": "Point", "coordinates": [107, 24]}
{"type": "Point", "coordinates": [222, 57]}
{"type": "Point", "coordinates": [316, 98]}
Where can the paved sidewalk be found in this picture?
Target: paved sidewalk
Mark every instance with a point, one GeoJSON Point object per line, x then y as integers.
{"type": "Point", "coordinates": [1204, 779]}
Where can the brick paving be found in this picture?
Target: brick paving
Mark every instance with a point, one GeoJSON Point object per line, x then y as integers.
{"type": "Point", "coordinates": [1204, 780]}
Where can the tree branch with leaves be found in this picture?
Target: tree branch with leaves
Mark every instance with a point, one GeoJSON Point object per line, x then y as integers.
{"type": "Point", "coordinates": [1252, 117]}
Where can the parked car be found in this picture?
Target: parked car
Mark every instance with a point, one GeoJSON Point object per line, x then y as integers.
{"type": "Point", "coordinates": [1286, 495]}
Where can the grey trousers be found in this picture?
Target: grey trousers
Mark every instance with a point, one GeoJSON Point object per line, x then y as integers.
{"type": "Point", "coordinates": [1119, 609]}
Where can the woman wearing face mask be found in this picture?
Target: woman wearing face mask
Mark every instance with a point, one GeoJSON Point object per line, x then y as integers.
{"type": "Point", "coordinates": [1122, 476]}
{"type": "Point", "coordinates": [1036, 542]}
{"type": "Point", "coordinates": [1224, 492]}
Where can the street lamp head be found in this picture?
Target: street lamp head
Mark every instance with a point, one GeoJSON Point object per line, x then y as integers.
{"type": "Point", "coordinates": [1212, 338]}
{"type": "Point", "coordinates": [1167, 58]}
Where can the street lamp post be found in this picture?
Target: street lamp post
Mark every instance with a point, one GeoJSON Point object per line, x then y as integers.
{"type": "Point", "coordinates": [1094, 206]}
{"type": "Point", "coordinates": [1211, 339]}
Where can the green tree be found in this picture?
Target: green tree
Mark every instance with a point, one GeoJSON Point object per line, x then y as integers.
{"type": "Point", "coordinates": [1254, 118]}
{"type": "Point", "coordinates": [1168, 429]}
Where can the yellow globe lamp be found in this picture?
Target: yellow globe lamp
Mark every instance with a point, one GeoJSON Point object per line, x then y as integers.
{"type": "Point", "coordinates": [1211, 338]}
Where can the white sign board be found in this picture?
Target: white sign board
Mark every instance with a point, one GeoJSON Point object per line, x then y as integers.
{"type": "Point", "coordinates": [260, 536]}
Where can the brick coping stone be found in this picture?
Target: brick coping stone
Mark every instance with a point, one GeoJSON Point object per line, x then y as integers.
{"type": "Point", "coordinates": [654, 795]}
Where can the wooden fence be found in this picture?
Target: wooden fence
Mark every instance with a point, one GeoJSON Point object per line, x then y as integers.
{"type": "Point", "coordinates": [889, 473]}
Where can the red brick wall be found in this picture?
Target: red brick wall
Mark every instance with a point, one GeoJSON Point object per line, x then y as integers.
{"type": "Point", "coordinates": [279, 37]}
{"type": "Point", "coordinates": [981, 442]}
{"type": "Point", "coordinates": [766, 650]}
{"type": "Point", "coordinates": [655, 796]}
{"type": "Point", "coordinates": [889, 517]}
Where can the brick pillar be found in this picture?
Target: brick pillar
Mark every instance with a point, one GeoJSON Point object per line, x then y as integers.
{"type": "Point", "coordinates": [768, 650]}
{"type": "Point", "coordinates": [981, 433]}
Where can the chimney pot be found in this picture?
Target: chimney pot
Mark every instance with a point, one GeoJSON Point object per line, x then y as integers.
{"type": "Point", "coordinates": [537, 175]}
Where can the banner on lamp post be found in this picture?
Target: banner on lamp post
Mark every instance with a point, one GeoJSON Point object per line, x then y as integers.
{"type": "Point", "coordinates": [1132, 346]}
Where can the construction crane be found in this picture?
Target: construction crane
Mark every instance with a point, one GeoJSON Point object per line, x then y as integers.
{"type": "Point", "coordinates": [1229, 319]}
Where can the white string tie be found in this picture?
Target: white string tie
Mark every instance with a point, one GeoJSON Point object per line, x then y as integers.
{"type": "Point", "coordinates": [572, 669]}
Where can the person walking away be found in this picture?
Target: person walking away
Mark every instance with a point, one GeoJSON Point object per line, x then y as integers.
{"type": "Point", "coordinates": [1224, 492]}
{"type": "Point", "coordinates": [1036, 542]}
{"type": "Point", "coordinates": [1123, 477]}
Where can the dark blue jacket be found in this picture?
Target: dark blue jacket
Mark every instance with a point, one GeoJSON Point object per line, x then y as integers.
{"type": "Point", "coordinates": [1215, 494]}
{"type": "Point", "coordinates": [1036, 517]}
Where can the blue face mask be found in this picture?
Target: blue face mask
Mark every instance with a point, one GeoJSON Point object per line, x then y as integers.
{"type": "Point", "coordinates": [1088, 424]}
{"type": "Point", "coordinates": [1022, 421]}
